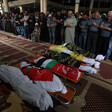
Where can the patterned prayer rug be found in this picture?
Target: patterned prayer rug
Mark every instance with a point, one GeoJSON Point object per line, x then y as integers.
{"type": "Point", "coordinates": [93, 93]}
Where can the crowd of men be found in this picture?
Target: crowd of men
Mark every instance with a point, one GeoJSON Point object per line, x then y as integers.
{"type": "Point", "coordinates": [92, 33]}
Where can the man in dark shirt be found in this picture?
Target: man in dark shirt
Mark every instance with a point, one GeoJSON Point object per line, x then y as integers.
{"type": "Point", "coordinates": [1, 26]}
{"type": "Point", "coordinates": [21, 24]}
{"type": "Point", "coordinates": [59, 20]}
{"type": "Point", "coordinates": [43, 27]}
{"type": "Point", "coordinates": [31, 22]}
{"type": "Point", "coordinates": [17, 22]}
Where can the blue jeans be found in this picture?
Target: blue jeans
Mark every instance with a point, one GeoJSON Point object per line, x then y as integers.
{"type": "Point", "coordinates": [26, 31]}
{"type": "Point", "coordinates": [51, 35]}
{"type": "Point", "coordinates": [22, 30]}
{"type": "Point", "coordinates": [109, 49]}
{"type": "Point", "coordinates": [18, 29]}
{"type": "Point", "coordinates": [82, 40]}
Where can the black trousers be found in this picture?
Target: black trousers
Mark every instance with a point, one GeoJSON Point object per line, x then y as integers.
{"type": "Point", "coordinates": [103, 45]}
{"type": "Point", "coordinates": [92, 41]}
{"type": "Point", "coordinates": [58, 35]}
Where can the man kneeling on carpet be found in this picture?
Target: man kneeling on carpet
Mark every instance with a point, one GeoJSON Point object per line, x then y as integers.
{"type": "Point", "coordinates": [36, 33]}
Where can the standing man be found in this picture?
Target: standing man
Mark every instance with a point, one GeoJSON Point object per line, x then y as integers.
{"type": "Point", "coordinates": [105, 34]}
{"type": "Point", "coordinates": [83, 25]}
{"type": "Point", "coordinates": [17, 22]}
{"type": "Point", "coordinates": [26, 26]}
{"type": "Point", "coordinates": [1, 17]}
{"type": "Point", "coordinates": [51, 28]}
{"type": "Point", "coordinates": [59, 20]}
{"type": "Point", "coordinates": [43, 27]}
{"type": "Point", "coordinates": [13, 25]}
{"type": "Point", "coordinates": [31, 23]}
{"type": "Point", "coordinates": [94, 24]}
{"type": "Point", "coordinates": [70, 24]}
{"type": "Point", "coordinates": [21, 25]}
{"type": "Point", "coordinates": [109, 51]}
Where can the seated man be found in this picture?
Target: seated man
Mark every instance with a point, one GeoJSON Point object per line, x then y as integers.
{"type": "Point", "coordinates": [36, 33]}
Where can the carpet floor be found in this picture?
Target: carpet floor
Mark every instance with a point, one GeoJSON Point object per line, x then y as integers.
{"type": "Point", "coordinates": [93, 94]}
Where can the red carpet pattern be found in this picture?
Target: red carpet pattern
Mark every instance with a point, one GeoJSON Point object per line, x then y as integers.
{"type": "Point", "coordinates": [107, 72]}
{"type": "Point", "coordinates": [78, 86]}
{"type": "Point", "coordinates": [13, 50]}
{"type": "Point", "coordinates": [98, 99]}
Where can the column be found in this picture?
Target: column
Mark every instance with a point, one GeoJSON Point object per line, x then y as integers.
{"type": "Point", "coordinates": [6, 5]}
{"type": "Point", "coordinates": [99, 3]}
{"type": "Point", "coordinates": [1, 7]}
{"type": "Point", "coordinates": [91, 6]}
{"type": "Point", "coordinates": [21, 9]}
{"type": "Point", "coordinates": [43, 6]}
{"type": "Point", "coordinates": [77, 5]}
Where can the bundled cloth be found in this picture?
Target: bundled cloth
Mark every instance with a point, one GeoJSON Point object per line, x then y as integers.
{"type": "Point", "coordinates": [63, 55]}
{"type": "Point", "coordinates": [58, 68]}
{"type": "Point", "coordinates": [24, 88]}
{"type": "Point", "coordinates": [61, 49]}
{"type": "Point", "coordinates": [73, 47]}
{"type": "Point", "coordinates": [44, 77]}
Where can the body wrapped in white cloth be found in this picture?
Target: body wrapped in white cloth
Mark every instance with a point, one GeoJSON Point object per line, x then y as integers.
{"type": "Point", "coordinates": [24, 88]}
{"type": "Point", "coordinates": [49, 81]}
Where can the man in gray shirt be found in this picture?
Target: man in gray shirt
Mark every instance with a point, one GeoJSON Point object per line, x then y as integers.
{"type": "Point", "coordinates": [94, 24]}
{"type": "Point", "coordinates": [51, 28]}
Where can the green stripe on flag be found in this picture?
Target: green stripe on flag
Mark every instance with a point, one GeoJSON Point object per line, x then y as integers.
{"type": "Point", "coordinates": [51, 64]}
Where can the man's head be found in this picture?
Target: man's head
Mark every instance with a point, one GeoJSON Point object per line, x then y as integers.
{"type": "Point", "coordinates": [48, 12]}
{"type": "Point", "coordinates": [26, 13]}
{"type": "Point", "coordinates": [6, 15]}
{"type": "Point", "coordinates": [63, 11]}
{"type": "Point", "coordinates": [36, 24]}
{"type": "Point", "coordinates": [109, 16]}
{"type": "Point", "coordinates": [70, 14]}
{"type": "Point", "coordinates": [85, 16]}
{"type": "Point", "coordinates": [50, 16]}
{"type": "Point", "coordinates": [21, 14]}
{"type": "Point", "coordinates": [97, 14]}
{"type": "Point", "coordinates": [17, 15]}
{"type": "Point", "coordinates": [13, 14]}
{"type": "Point", "coordinates": [92, 14]}
{"type": "Point", "coordinates": [58, 13]}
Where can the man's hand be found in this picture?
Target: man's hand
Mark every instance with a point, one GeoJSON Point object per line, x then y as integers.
{"type": "Point", "coordinates": [94, 24]}
{"type": "Point", "coordinates": [49, 26]}
{"type": "Point", "coordinates": [82, 27]}
{"type": "Point", "coordinates": [12, 21]}
{"type": "Point", "coordinates": [68, 25]}
{"type": "Point", "coordinates": [110, 29]}
{"type": "Point", "coordinates": [41, 23]}
{"type": "Point", "coordinates": [31, 21]}
{"type": "Point", "coordinates": [106, 28]}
